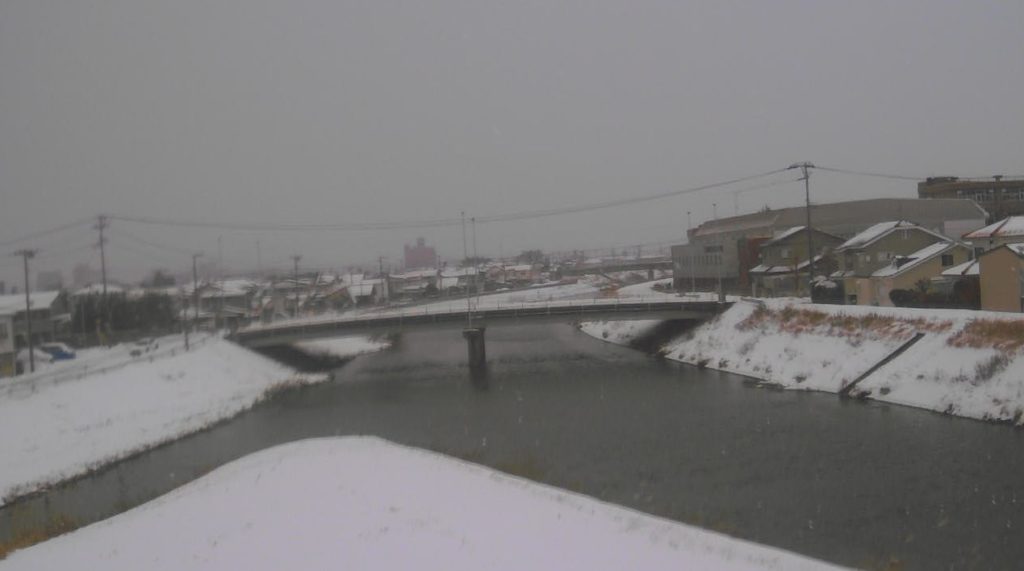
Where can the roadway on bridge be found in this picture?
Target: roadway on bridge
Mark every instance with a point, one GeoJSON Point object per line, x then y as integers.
{"type": "Point", "coordinates": [483, 314]}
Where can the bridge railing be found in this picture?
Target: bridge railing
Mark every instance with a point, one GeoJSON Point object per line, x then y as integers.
{"type": "Point", "coordinates": [452, 312]}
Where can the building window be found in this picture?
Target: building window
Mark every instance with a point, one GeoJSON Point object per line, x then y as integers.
{"type": "Point", "coordinates": [947, 260]}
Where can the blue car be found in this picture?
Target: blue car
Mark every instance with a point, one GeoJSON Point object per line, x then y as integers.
{"type": "Point", "coordinates": [58, 351]}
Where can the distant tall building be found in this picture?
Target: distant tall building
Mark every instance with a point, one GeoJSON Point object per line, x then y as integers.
{"type": "Point", "coordinates": [49, 280]}
{"type": "Point", "coordinates": [1000, 197]}
{"type": "Point", "coordinates": [420, 255]}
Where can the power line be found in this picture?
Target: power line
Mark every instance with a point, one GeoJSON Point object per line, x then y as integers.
{"type": "Point", "coordinates": [47, 232]}
{"type": "Point", "coordinates": [264, 227]}
{"type": "Point", "coordinates": [621, 201]}
{"type": "Point", "coordinates": [434, 223]}
{"type": "Point", "coordinates": [171, 249]}
{"type": "Point", "coordinates": [871, 174]}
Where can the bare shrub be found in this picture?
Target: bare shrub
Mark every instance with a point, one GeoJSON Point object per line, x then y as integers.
{"type": "Point", "coordinates": [988, 368]}
{"type": "Point", "coordinates": [1006, 335]}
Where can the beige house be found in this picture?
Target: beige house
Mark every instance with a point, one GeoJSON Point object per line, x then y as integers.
{"type": "Point", "coordinates": [876, 248]}
{"type": "Point", "coordinates": [1002, 271]}
{"type": "Point", "coordinates": [784, 262]}
{"type": "Point", "coordinates": [912, 271]}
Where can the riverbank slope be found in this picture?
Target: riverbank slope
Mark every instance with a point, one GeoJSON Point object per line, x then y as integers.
{"type": "Point", "coordinates": [966, 363]}
{"type": "Point", "coordinates": [56, 427]}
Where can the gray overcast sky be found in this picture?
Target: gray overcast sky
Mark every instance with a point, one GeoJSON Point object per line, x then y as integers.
{"type": "Point", "coordinates": [321, 112]}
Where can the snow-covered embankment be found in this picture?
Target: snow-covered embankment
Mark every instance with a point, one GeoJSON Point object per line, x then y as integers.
{"type": "Point", "coordinates": [52, 431]}
{"type": "Point", "coordinates": [967, 363]}
{"type": "Point", "coordinates": [364, 503]}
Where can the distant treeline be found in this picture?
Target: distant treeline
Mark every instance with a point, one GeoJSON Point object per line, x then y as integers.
{"type": "Point", "coordinates": [149, 312]}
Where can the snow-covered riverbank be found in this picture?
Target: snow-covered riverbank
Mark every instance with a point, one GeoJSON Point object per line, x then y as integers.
{"type": "Point", "coordinates": [51, 430]}
{"type": "Point", "coordinates": [365, 503]}
{"type": "Point", "coordinates": [967, 363]}
{"type": "Point", "coordinates": [342, 347]}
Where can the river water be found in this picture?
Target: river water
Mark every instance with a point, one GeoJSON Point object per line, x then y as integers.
{"type": "Point", "coordinates": [861, 484]}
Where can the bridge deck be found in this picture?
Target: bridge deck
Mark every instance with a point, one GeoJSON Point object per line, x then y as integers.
{"type": "Point", "coordinates": [450, 317]}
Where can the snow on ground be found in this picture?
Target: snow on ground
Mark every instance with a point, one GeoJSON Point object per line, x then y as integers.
{"type": "Point", "coordinates": [342, 347]}
{"type": "Point", "coordinates": [51, 430]}
{"type": "Point", "coordinates": [968, 363]}
{"type": "Point", "coordinates": [364, 503]}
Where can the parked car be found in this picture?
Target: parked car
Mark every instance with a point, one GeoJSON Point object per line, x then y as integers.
{"type": "Point", "coordinates": [59, 351]}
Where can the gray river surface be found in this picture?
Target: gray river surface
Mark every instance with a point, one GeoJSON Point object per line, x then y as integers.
{"type": "Point", "coordinates": [861, 484]}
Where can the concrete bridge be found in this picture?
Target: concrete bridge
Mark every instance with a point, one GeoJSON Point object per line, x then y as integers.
{"type": "Point", "coordinates": [474, 321]}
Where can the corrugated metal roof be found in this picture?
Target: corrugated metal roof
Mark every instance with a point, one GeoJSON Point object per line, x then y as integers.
{"type": "Point", "coordinates": [847, 217]}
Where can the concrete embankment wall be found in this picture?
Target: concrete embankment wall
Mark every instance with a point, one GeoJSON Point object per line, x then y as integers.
{"type": "Point", "coordinates": [962, 362]}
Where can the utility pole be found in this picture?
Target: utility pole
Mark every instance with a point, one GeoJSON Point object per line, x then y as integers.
{"type": "Point", "coordinates": [385, 280]}
{"type": "Point", "coordinates": [195, 289]}
{"type": "Point", "coordinates": [465, 256]}
{"type": "Point", "coordinates": [721, 254]}
{"type": "Point", "coordinates": [101, 224]}
{"type": "Point", "coordinates": [220, 273]}
{"type": "Point", "coordinates": [476, 260]}
{"type": "Point", "coordinates": [810, 240]}
{"type": "Point", "coordinates": [295, 261]}
{"type": "Point", "coordinates": [26, 255]}
{"type": "Point", "coordinates": [259, 261]}
{"type": "Point", "coordinates": [184, 323]}
{"type": "Point", "coordinates": [689, 227]}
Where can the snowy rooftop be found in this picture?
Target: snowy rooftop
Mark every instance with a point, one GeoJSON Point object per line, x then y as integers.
{"type": "Point", "coordinates": [968, 268]}
{"type": "Point", "coordinates": [880, 230]}
{"type": "Point", "coordinates": [363, 288]}
{"type": "Point", "coordinates": [415, 274]}
{"type": "Point", "coordinates": [792, 232]}
{"type": "Point", "coordinates": [1006, 228]}
{"type": "Point", "coordinates": [94, 289]}
{"type": "Point", "coordinates": [781, 269]}
{"type": "Point", "coordinates": [11, 304]}
{"type": "Point", "coordinates": [786, 234]}
{"type": "Point", "coordinates": [901, 264]}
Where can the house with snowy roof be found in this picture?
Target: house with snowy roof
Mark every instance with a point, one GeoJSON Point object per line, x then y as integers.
{"type": "Point", "coordinates": [919, 271]}
{"type": "Point", "coordinates": [1002, 278]}
{"type": "Point", "coordinates": [1006, 231]}
{"type": "Point", "coordinates": [784, 261]}
{"type": "Point", "coordinates": [876, 248]}
{"type": "Point", "coordinates": [49, 312]}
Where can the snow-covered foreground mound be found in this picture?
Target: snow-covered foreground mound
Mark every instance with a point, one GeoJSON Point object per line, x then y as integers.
{"type": "Point", "coordinates": [53, 431]}
{"type": "Point", "coordinates": [968, 363]}
{"type": "Point", "coordinates": [364, 503]}
{"type": "Point", "coordinates": [342, 347]}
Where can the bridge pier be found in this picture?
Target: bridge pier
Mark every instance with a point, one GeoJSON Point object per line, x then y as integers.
{"type": "Point", "coordinates": [477, 349]}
